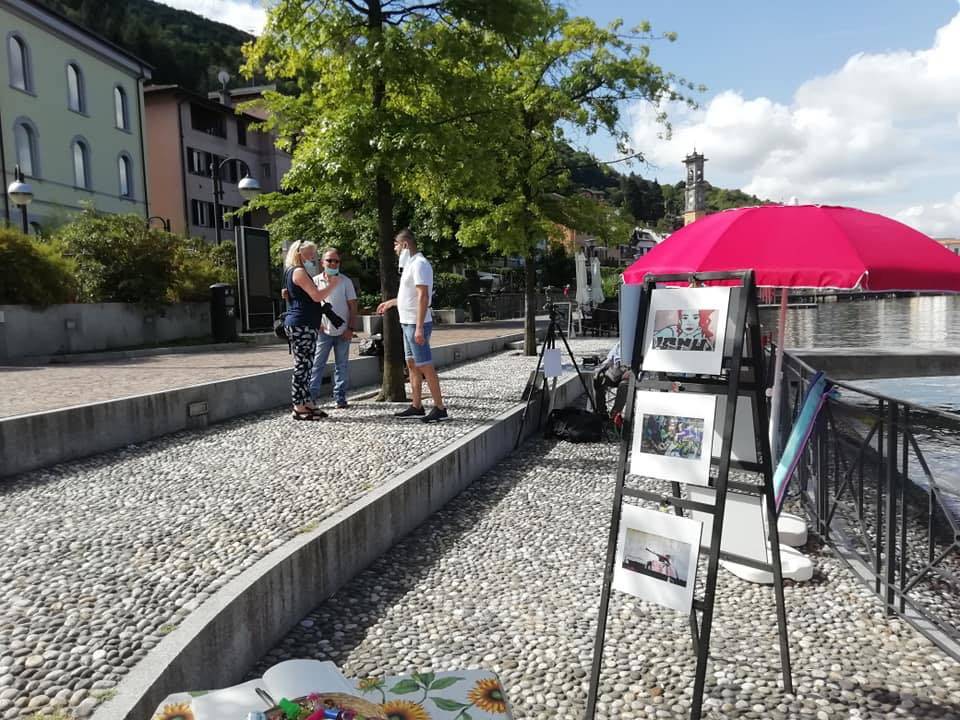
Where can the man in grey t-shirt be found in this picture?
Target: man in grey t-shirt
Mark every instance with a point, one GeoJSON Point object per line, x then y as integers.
{"type": "Point", "coordinates": [344, 302]}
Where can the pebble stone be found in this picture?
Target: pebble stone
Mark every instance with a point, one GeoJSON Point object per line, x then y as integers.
{"type": "Point", "coordinates": [507, 577]}
{"type": "Point", "coordinates": [102, 557]}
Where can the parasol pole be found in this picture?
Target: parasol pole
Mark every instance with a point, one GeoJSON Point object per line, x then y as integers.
{"type": "Point", "coordinates": [778, 380]}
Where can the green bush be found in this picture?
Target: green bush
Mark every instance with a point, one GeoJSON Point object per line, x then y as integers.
{"type": "Point", "coordinates": [33, 272]}
{"type": "Point", "coordinates": [200, 265]}
{"type": "Point", "coordinates": [119, 259]}
{"type": "Point", "coordinates": [450, 290]}
{"type": "Point", "coordinates": [368, 301]}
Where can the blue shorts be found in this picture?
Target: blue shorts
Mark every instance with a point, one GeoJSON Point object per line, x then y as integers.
{"type": "Point", "coordinates": [420, 353]}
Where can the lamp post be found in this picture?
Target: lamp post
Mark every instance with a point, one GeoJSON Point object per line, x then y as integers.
{"type": "Point", "coordinates": [165, 221]}
{"type": "Point", "coordinates": [22, 195]}
{"type": "Point", "coordinates": [248, 187]}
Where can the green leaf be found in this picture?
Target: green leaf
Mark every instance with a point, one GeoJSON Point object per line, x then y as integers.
{"type": "Point", "coordinates": [444, 683]}
{"type": "Point", "coordinates": [445, 704]}
{"type": "Point", "coordinates": [405, 686]}
{"type": "Point", "coordinates": [466, 716]}
{"type": "Point", "coordinates": [424, 678]}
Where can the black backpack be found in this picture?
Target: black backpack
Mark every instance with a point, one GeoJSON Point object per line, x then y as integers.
{"type": "Point", "coordinates": [575, 425]}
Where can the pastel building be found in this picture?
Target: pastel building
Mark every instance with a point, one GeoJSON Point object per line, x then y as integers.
{"type": "Point", "coordinates": [71, 116]}
{"type": "Point", "coordinates": [187, 134]}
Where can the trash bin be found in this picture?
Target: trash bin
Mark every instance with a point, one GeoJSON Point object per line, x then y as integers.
{"type": "Point", "coordinates": [223, 313]}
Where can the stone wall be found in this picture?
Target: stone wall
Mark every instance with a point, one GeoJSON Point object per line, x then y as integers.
{"type": "Point", "coordinates": [27, 331]}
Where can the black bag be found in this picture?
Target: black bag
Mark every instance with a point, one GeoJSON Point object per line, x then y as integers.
{"type": "Point", "coordinates": [371, 346]}
{"type": "Point", "coordinates": [575, 425]}
{"type": "Point", "coordinates": [278, 329]}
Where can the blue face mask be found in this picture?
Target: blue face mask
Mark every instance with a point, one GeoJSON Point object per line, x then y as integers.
{"type": "Point", "coordinates": [311, 267]}
{"type": "Point", "coordinates": [332, 270]}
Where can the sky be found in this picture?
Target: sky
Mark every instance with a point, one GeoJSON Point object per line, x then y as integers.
{"type": "Point", "coordinates": [846, 103]}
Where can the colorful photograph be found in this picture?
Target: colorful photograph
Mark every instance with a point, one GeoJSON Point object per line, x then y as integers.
{"type": "Point", "coordinates": [672, 436]}
{"type": "Point", "coordinates": [685, 330]}
{"type": "Point", "coordinates": [657, 556]}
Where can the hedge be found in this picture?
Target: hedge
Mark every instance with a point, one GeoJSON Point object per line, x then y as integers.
{"type": "Point", "coordinates": [33, 272]}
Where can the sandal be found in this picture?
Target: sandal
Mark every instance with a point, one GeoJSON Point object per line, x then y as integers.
{"type": "Point", "coordinates": [308, 415]}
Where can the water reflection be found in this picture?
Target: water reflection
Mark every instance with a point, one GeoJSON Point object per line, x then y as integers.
{"type": "Point", "coordinates": [923, 323]}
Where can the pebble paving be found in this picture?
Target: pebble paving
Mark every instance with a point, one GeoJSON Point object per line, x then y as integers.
{"type": "Point", "coordinates": [507, 578]}
{"type": "Point", "coordinates": [100, 558]}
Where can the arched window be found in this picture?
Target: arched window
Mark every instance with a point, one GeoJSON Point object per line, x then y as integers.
{"type": "Point", "coordinates": [75, 98]}
{"type": "Point", "coordinates": [25, 140]}
{"type": "Point", "coordinates": [19, 55]}
{"type": "Point", "coordinates": [125, 170]}
{"type": "Point", "coordinates": [121, 117]}
{"type": "Point", "coordinates": [81, 163]}
{"type": "Point", "coordinates": [37, 228]}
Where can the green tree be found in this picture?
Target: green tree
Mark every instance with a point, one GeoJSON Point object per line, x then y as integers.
{"type": "Point", "coordinates": [564, 70]}
{"type": "Point", "coordinates": [386, 103]}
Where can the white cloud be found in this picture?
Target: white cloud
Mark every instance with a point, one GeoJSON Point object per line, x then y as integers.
{"type": "Point", "coordinates": [870, 133]}
{"type": "Point", "coordinates": [936, 220]}
{"type": "Point", "coordinates": [240, 14]}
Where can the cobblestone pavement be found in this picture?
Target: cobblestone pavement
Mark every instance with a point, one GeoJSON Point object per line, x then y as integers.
{"type": "Point", "coordinates": [101, 557]}
{"type": "Point", "coordinates": [37, 388]}
{"type": "Point", "coordinates": [507, 577]}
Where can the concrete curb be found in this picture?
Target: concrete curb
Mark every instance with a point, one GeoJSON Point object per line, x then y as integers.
{"type": "Point", "coordinates": [38, 440]}
{"type": "Point", "coordinates": [218, 643]}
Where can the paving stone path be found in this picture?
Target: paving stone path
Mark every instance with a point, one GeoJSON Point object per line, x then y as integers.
{"type": "Point", "coordinates": [101, 557]}
{"type": "Point", "coordinates": [507, 577]}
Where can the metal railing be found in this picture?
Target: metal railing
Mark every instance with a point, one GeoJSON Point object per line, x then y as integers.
{"type": "Point", "coordinates": [873, 478]}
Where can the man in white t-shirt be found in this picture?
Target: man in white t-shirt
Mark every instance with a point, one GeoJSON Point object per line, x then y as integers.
{"type": "Point", "coordinates": [413, 304]}
{"type": "Point", "coordinates": [343, 300]}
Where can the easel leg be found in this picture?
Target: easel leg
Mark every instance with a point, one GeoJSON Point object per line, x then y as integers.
{"type": "Point", "coordinates": [576, 367]}
{"type": "Point", "coordinates": [547, 343]}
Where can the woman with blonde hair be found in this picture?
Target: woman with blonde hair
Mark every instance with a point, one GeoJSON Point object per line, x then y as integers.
{"type": "Point", "coordinates": [303, 321]}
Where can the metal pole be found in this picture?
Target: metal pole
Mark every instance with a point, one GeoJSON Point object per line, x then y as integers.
{"type": "Point", "coordinates": [777, 382]}
{"type": "Point", "coordinates": [891, 506]}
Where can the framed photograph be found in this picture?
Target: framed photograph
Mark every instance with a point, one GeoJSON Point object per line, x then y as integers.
{"type": "Point", "coordinates": [657, 557]}
{"type": "Point", "coordinates": [685, 330]}
{"type": "Point", "coordinates": [744, 437]}
{"type": "Point", "coordinates": [552, 362]}
{"type": "Point", "coordinates": [744, 522]}
{"type": "Point", "coordinates": [673, 436]}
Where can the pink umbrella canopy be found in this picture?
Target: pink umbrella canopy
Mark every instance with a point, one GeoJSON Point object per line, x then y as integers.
{"type": "Point", "coordinates": [806, 246]}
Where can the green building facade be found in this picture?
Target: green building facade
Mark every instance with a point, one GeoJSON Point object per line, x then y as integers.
{"type": "Point", "coordinates": [71, 115]}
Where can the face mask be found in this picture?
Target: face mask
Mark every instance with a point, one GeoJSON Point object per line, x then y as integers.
{"type": "Point", "coordinates": [332, 270]}
{"type": "Point", "coordinates": [311, 267]}
{"type": "Point", "coordinates": [404, 258]}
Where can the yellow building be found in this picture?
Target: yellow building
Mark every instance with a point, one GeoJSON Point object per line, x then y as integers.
{"type": "Point", "coordinates": [71, 116]}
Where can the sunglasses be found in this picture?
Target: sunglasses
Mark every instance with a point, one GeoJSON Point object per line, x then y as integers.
{"type": "Point", "coordinates": [332, 262]}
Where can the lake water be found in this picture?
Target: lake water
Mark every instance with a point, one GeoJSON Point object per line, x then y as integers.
{"type": "Point", "coordinates": [920, 323]}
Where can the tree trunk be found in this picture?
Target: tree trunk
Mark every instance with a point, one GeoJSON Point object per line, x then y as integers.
{"type": "Point", "coordinates": [392, 388]}
{"type": "Point", "coordinates": [530, 315]}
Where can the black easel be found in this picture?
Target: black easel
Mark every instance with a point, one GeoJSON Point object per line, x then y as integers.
{"type": "Point", "coordinates": [740, 376]}
{"type": "Point", "coordinates": [554, 330]}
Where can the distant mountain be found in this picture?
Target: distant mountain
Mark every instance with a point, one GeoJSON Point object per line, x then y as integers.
{"type": "Point", "coordinates": [183, 47]}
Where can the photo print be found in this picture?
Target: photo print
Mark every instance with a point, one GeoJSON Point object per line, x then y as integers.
{"type": "Point", "coordinates": [657, 557]}
{"type": "Point", "coordinates": [685, 330]}
{"type": "Point", "coordinates": [673, 436]}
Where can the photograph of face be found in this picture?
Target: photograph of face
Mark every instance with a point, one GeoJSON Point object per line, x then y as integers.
{"type": "Point", "coordinates": [672, 436]}
{"type": "Point", "coordinates": [684, 330]}
{"type": "Point", "coordinates": [658, 557]}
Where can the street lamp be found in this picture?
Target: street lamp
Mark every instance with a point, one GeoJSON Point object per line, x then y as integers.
{"type": "Point", "coordinates": [248, 188]}
{"type": "Point", "coordinates": [21, 193]}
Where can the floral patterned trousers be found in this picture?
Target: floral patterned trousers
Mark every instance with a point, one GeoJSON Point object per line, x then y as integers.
{"type": "Point", "coordinates": [303, 343]}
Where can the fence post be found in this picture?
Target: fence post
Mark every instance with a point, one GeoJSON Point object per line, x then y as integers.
{"type": "Point", "coordinates": [891, 533]}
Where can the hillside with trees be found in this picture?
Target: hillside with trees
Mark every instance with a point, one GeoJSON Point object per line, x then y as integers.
{"type": "Point", "coordinates": [183, 47]}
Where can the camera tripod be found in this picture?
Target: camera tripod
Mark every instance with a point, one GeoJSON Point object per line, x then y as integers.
{"type": "Point", "coordinates": [554, 330]}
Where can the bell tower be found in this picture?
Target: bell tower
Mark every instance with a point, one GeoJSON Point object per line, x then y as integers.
{"type": "Point", "coordinates": [695, 202]}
